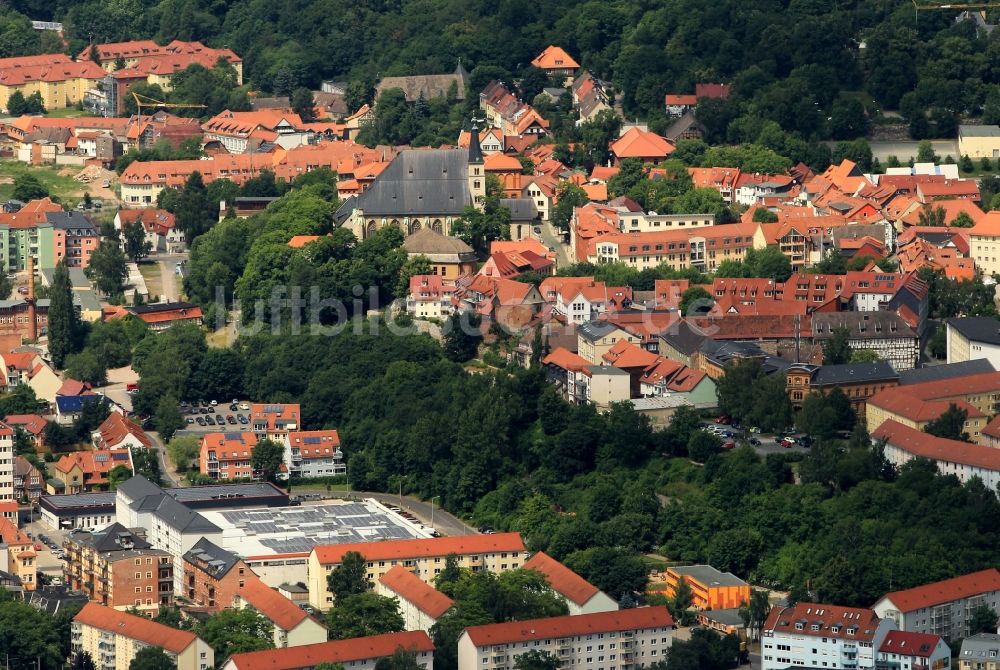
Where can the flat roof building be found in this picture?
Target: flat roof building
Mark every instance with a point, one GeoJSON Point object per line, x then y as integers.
{"type": "Point", "coordinates": [711, 588]}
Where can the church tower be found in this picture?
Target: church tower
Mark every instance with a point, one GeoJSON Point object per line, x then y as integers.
{"type": "Point", "coordinates": [477, 175]}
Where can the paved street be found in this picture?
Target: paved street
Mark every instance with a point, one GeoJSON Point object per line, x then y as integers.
{"type": "Point", "coordinates": [550, 237]}
{"type": "Point", "coordinates": [168, 276]}
{"type": "Point", "coordinates": [169, 474]}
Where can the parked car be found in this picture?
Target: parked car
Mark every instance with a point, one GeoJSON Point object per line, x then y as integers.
{"type": "Point", "coordinates": [728, 444]}
{"type": "Point", "coordinates": [242, 419]}
{"type": "Point", "coordinates": [211, 410]}
{"type": "Point", "coordinates": [200, 420]}
{"type": "Point", "coordinates": [220, 420]}
{"type": "Point", "coordinates": [754, 441]}
{"type": "Point", "coordinates": [245, 407]}
{"type": "Point", "coordinates": [190, 420]}
{"type": "Point", "coordinates": [786, 443]}
{"type": "Point", "coordinates": [725, 420]}
{"type": "Point", "coordinates": [214, 403]}
{"type": "Point", "coordinates": [233, 407]}
{"type": "Point", "coordinates": [231, 420]}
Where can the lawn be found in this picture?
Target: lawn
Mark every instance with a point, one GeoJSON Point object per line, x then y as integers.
{"type": "Point", "coordinates": [67, 189]}
{"type": "Point", "coordinates": [66, 113]}
{"type": "Point", "coordinates": [151, 274]}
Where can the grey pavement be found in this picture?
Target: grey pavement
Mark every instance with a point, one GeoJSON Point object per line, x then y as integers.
{"type": "Point", "coordinates": [168, 275]}
{"type": "Point", "coordinates": [165, 467]}
{"type": "Point", "coordinates": [550, 237]}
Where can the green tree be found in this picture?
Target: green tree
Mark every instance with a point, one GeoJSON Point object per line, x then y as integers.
{"type": "Point", "coordinates": [449, 575]}
{"type": "Point", "coordinates": [235, 631]}
{"type": "Point", "coordinates": [85, 366]}
{"type": "Point", "coordinates": [152, 658]}
{"type": "Point", "coordinates": [348, 578]}
{"type": "Point", "coordinates": [303, 104]}
{"type": "Point", "coordinates": [983, 620]}
{"type": "Point", "coordinates": [962, 220]}
{"type": "Point", "coordinates": [83, 661]}
{"type": "Point", "coordinates": [183, 451]}
{"type": "Point", "coordinates": [755, 613]}
{"type": "Point", "coordinates": [569, 196]}
{"type": "Point", "coordinates": [27, 188]}
{"type": "Point", "coordinates": [837, 348]}
{"type": "Point", "coordinates": [764, 215]}
{"type": "Point", "coordinates": [925, 152]}
{"type": "Point", "coordinates": [109, 268]}
{"type": "Point", "coordinates": [168, 419]}
{"type": "Point", "coordinates": [137, 246]}
{"type": "Point", "coordinates": [965, 165]}
{"type": "Point", "coordinates": [680, 602]}
{"type": "Point", "coordinates": [703, 445]}
{"type": "Point", "coordinates": [864, 356]}
{"type": "Point", "coordinates": [535, 659]}
{"type": "Point", "coordinates": [64, 321]}
{"type": "Point", "coordinates": [938, 344]}
{"type": "Point", "coordinates": [950, 425]}
{"type": "Point", "coordinates": [16, 104]}
{"type": "Point", "coordinates": [195, 213]}
{"type": "Point", "coordinates": [931, 216]}
{"type": "Point", "coordinates": [267, 457]}
{"type": "Point", "coordinates": [363, 614]}
{"type": "Point", "coordinates": [117, 475]}
{"type": "Point", "coordinates": [401, 659]}
{"type": "Point", "coordinates": [597, 134]}
{"type": "Point", "coordinates": [462, 336]}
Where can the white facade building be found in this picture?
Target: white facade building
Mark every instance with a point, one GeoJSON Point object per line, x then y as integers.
{"type": "Point", "coordinates": [973, 337]}
{"type": "Point", "coordinates": [314, 453]}
{"type": "Point", "coordinates": [942, 608]}
{"type": "Point", "coordinates": [420, 603]}
{"type": "Point", "coordinates": [811, 635]}
{"type": "Point", "coordinates": [964, 460]}
{"type": "Point", "coordinates": [581, 596]}
{"type": "Point", "coordinates": [627, 638]}
{"type": "Point", "coordinates": [913, 651]}
{"type": "Point", "coordinates": [7, 471]}
{"type": "Point", "coordinates": [360, 653]}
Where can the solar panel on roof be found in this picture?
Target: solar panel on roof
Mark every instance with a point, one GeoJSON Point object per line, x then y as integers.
{"type": "Point", "coordinates": [100, 457]}
{"type": "Point", "coordinates": [311, 440]}
{"type": "Point", "coordinates": [232, 436]}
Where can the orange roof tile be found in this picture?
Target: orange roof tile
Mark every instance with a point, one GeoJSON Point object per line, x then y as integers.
{"type": "Point", "coordinates": [924, 445]}
{"type": "Point", "coordinates": [566, 359]}
{"type": "Point", "coordinates": [642, 144]}
{"type": "Point", "coordinates": [135, 627]}
{"type": "Point", "coordinates": [554, 58]}
{"type": "Point", "coordinates": [833, 621]}
{"type": "Point", "coordinates": [116, 428]}
{"type": "Point", "coordinates": [299, 241]}
{"type": "Point", "coordinates": [285, 614]}
{"type": "Point", "coordinates": [624, 354]}
{"type": "Point", "coordinates": [947, 590]}
{"type": "Point", "coordinates": [439, 546]}
{"type": "Point", "coordinates": [638, 618]}
{"type": "Point", "coordinates": [339, 651]}
{"type": "Point", "coordinates": [414, 590]}
{"type": "Point", "coordinates": [561, 579]}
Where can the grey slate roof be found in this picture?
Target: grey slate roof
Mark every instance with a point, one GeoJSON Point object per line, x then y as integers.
{"type": "Point", "coordinates": [979, 646]}
{"type": "Point", "coordinates": [683, 338]}
{"type": "Point", "coordinates": [849, 373]}
{"type": "Point", "coordinates": [70, 221]}
{"type": "Point", "coordinates": [218, 560]}
{"type": "Point", "coordinates": [182, 519]}
{"type": "Point", "coordinates": [137, 487]}
{"type": "Point", "coordinates": [595, 330]}
{"type": "Point", "coordinates": [418, 183]}
{"type": "Point", "coordinates": [521, 209]}
{"type": "Point", "coordinates": [984, 329]}
{"type": "Point", "coordinates": [862, 325]}
{"type": "Point", "coordinates": [709, 576]}
{"type": "Point", "coordinates": [934, 373]}
{"type": "Point", "coordinates": [115, 537]}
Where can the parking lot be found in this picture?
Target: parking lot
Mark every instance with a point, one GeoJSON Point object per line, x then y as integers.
{"type": "Point", "coordinates": [207, 418]}
{"type": "Point", "coordinates": [762, 443]}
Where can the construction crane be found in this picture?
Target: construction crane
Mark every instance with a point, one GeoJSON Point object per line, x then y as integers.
{"type": "Point", "coordinates": [145, 101]}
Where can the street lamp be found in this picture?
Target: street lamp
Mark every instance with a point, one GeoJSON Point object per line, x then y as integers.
{"type": "Point", "coordinates": [432, 511]}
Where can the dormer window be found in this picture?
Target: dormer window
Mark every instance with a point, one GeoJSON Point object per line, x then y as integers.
{"type": "Point", "coordinates": [799, 626]}
{"type": "Point", "coordinates": [815, 626]}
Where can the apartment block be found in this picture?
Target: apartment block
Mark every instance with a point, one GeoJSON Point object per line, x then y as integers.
{"type": "Point", "coordinates": [807, 635]}
{"type": "Point", "coordinates": [942, 608]}
{"type": "Point", "coordinates": [420, 603]}
{"type": "Point", "coordinates": [913, 651]}
{"type": "Point", "coordinates": [113, 638]}
{"type": "Point", "coordinates": [274, 422]}
{"type": "Point", "coordinates": [360, 653]}
{"type": "Point", "coordinates": [581, 596]}
{"type": "Point", "coordinates": [119, 569]}
{"type": "Point", "coordinates": [213, 576]}
{"type": "Point", "coordinates": [632, 638]}
{"type": "Point", "coordinates": [290, 625]}
{"type": "Point", "coordinates": [425, 558]}
{"type": "Point", "coordinates": [17, 554]}
{"type": "Point", "coordinates": [227, 455]}
{"type": "Point", "coordinates": [980, 652]}
{"type": "Point", "coordinates": [711, 589]}
{"type": "Point", "coordinates": [314, 453]}
{"type": "Point", "coordinates": [7, 470]}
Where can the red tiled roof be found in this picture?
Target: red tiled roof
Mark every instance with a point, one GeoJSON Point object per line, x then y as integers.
{"type": "Point", "coordinates": [638, 618]}
{"type": "Point", "coordinates": [833, 621]}
{"type": "Point", "coordinates": [566, 359]}
{"type": "Point", "coordinates": [116, 428]}
{"type": "Point", "coordinates": [10, 534]}
{"type": "Point", "coordinates": [299, 241]}
{"type": "Point", "coordinates": [339, 651]}
{"type": "Point", "coordinates": [909, 644]}
{"type": "Point", "coordinates": [314, 443]}
{"type": "Point", "coordinates": [897, 401]}
{"type": "Point", "coordinates": [947, 590]}
{"type": "Point", "coordinates": [561, 579]}
{"type": "Point", "coordinates": [135, 627]}
{"type": "Point", "coordinates": [33, 424]}
{"type": "Point", "coordinates": [285, 614]}
{"type": "Point", "coordinates": [638, 143]}
{"type": "Point", "coordinates": [439, 546]}
{"type": "Point", "coordinates": [923, 445]}
{"type": "Point", "coordinates": [554, 58]}
{"type": "Point", "coordinates": [624, 354]}
{"type": "Point", "coordinates": [411, 588]}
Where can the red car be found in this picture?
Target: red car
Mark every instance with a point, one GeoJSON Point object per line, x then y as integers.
{"type": "Point", "coordinates": [729, 444]}
{"type": "Point", "coordinates": [786, 444]}
{"type": "Point", "coordinates": [724, 420]}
